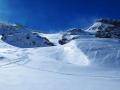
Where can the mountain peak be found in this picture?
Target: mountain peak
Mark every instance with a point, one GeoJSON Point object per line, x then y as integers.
{"type": "Point", "coordinates": [114, 22]}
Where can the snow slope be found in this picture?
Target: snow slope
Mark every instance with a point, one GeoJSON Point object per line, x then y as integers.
{"type": "Point", "coordinates": [8, 28]}
{"type": "Point", "coordinates": [84, 63]}
{"type": "Point", "coordinates": [52, 37]}
{"type": "Point", "coordinates": [26, 40]}
{"type": "Point", "coordinates": [98, 26]}
{"type": "Point", "coordinates": [68, 67]}
{"type": "Point", "coordinates": [105, 28]}
{"type": "Point", "coordinates": [20, 36]}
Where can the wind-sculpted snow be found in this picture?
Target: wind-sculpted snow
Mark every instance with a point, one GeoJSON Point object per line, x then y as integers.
{"type": "Point", "coordinates": [55, 68]}
{"type": "Point", "coordinates": [103, 52]}
{"type": "Point", "coordinates": [82, 52]}
{"type": "Point", "coordinates": [75, 55]}
{"type": "Point", "coordinates": [83, 63]}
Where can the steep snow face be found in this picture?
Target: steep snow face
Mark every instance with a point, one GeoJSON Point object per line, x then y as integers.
{"type": "Point", "coordinates": [74, 55]}
{"type": "Point", "coordinates": [98, 26]}
{"type": "Point", "coordinates": [101, 52]}
{"type": "Point", "coordinates": [91, 51]}
{"type": "Point", "coordinates": [26, 40]}
{"type": "Point", "coordinates": [105, 29]}
{"type": "Point", "coordinates": [68, 54]}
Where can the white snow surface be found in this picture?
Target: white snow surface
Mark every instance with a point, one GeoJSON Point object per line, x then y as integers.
{"type": "Point", "coordinates": [95, 27]}
{"type": "Point", "coordinates": [52, 37]}
{"type": "Point", "coordinates": [74, 66]}
{"type": "Point", "coordinates": [26, 40]}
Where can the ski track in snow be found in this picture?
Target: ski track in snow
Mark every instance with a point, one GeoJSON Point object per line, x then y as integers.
{"type": "Point", "coordinates": [22, 57]}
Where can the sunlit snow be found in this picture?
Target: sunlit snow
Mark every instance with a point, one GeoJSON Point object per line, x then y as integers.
{"type": "Point", "coordinates": [75, 55]}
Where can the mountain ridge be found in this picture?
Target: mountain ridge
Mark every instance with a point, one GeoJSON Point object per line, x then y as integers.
{"type": "Point", "coordinates": [102, 28]}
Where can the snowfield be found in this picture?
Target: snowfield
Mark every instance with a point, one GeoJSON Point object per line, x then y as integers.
{"type": "Point", "coordinates": [72, 60]}
{"type": "Point", "coordinates": [77, 65]}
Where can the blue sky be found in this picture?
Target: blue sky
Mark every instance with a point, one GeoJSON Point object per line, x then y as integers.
{"type": "Point", "coordinates": [56, 15]}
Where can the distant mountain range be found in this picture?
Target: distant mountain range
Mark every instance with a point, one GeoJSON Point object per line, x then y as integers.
{"type": "Point", "coordinates": [20, 36]}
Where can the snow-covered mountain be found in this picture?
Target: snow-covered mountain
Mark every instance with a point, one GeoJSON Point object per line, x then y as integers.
{"type": "Point", "coordinates": [19, 36]}
{"type": "Point", "coordinates": [105, 28]}
{"type": "Point", "coordinates": [84, 42]}
{"type": "Point", "coordinates": [8, 28]}
{"type": "Point", "coordinates": [27, 40]}
{"type": "Point", "coordinates": [72, 34]}
{"type": "Point", "coordinates": [83, 62]}
{"type": "Point", "coordinates": [76, 31]}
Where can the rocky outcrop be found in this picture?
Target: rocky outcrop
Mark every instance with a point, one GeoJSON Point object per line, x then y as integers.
{"type": "Point", "coordinates": [110, 32]}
